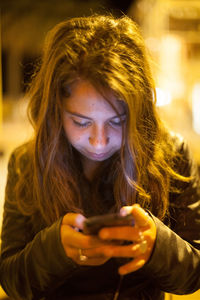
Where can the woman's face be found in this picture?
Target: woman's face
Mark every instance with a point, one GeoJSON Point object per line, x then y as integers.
{"type": "Point", "coordinates": [91, 124]}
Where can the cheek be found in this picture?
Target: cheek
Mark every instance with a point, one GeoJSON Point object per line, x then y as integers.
{"type": "Point", "coordinates": [117, 136]}
{"type": "Point", "coordinates": [73, 134]}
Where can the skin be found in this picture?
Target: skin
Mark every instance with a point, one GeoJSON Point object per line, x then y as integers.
{"type": "Point", "coordinates": [91, 125]}
{"type": "Point", "coordinates": [93, 128]}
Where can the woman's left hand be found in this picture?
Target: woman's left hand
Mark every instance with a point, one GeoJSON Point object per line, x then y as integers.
{"type": "Point", "coordinates": [142, 237]}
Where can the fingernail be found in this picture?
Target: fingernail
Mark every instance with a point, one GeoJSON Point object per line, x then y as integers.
{"type": "Point", "coordinates": [123, 212]}
{"type": "Point", "coordinates": [126, 210]}
{"type": "Point", "coordinates": [79, 221]}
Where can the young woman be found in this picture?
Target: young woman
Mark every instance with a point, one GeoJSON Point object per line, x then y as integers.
{"type": "Point", "coordinates": [99, 147]}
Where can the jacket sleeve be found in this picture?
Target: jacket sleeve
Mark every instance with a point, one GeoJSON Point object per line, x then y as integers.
{"type": "Point", "coordinates": [29, 267]}
{"type": "Point", "coordinates": [175, 261]}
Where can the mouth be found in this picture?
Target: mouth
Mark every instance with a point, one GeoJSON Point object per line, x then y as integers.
{"type": "Point", "coordinates": [98, 155]}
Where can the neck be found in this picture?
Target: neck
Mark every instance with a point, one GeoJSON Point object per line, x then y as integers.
{"type": "Point", "coordinates": [90, 167]}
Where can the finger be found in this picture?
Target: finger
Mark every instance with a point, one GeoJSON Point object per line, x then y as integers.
{"type": "Point", "coordinates": [141, 217]}
{"type": "Point", "coordinates": [128, 233]}
{"type": "Point", "coordinates": [89, 253]}
{"type": "Point", "coordinates": [74, 254]}
{"type": "Point", "coordinates": [75, 220]}
{"type": "Point", "coordinates": [76, 239]}
{"type": "Point", "coordinates": [132, 266]}
{"type": "Point", "coordinates": [132, 250]}
{"type": "Point", "coordinates": [95, 261]}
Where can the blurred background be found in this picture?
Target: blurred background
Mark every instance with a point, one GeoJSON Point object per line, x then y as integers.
{"type": "Point", "coordinates": [171, 29]}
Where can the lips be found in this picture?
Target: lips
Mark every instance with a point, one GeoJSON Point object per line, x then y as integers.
{"type": "Point", "coordinates": [98, 155]}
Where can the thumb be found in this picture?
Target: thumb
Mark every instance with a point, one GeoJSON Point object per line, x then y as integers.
{"type": "Point", "coordinates": [141, 217]}
{"type": "Point", "coordinates": [73, 219]}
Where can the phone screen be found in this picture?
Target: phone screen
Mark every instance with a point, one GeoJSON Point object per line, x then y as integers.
{"type": "Point", "coordinates": [94, 224]}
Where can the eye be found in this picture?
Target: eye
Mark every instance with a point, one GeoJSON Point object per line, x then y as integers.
{"type": "Point", "coordinates": [117, 121]}
{"type": "Point", "coordinates": [81, 124]}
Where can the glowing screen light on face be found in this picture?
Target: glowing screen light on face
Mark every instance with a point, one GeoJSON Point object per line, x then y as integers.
{"type": "Point", "coordinates": [196, 107]}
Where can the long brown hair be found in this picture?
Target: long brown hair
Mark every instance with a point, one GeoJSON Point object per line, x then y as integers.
{"type": "Point", "coordinates": [110, 54]}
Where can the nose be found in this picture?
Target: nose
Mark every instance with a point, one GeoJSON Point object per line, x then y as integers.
{"type": "Point", "coordinates": [98, 137]}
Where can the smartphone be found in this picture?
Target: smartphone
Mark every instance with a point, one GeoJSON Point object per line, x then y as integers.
{"type": "Point", "coordinates": [92, 225]}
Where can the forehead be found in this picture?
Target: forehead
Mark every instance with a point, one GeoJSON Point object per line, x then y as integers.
{"type": "Point", "coordinates": [86, 99]}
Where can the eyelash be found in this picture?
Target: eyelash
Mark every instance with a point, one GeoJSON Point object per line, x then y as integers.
{"type": "Point", "coordinates": [116, 123]}
{"type": "Point", "coordinates": [80, 124]}
{"type": "Point", "coordinates": [84, 125]}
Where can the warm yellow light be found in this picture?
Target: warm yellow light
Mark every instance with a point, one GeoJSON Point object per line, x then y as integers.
{"type": "Point", "coordinates": [196, 107]}
{"type": "Point", "coordinates": [1, 100]}
{"type": "Point", "coordinates": [171, 65]}
{"type": "Point", "coordinates": [163, 97]}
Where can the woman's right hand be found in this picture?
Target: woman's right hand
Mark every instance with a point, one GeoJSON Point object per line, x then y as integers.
{"type": "Point", "coordinates": [75, 242]}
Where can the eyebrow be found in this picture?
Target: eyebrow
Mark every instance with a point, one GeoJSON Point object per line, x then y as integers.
{"type": "Point", "coordinates": [84, 117]}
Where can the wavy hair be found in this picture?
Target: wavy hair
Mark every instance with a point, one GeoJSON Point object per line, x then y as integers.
{"type": "Point", "coordinates": [109, 53]}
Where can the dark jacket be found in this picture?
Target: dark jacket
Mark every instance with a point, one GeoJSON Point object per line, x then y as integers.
{"type": "Point", "coordinates": [35, 266]}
